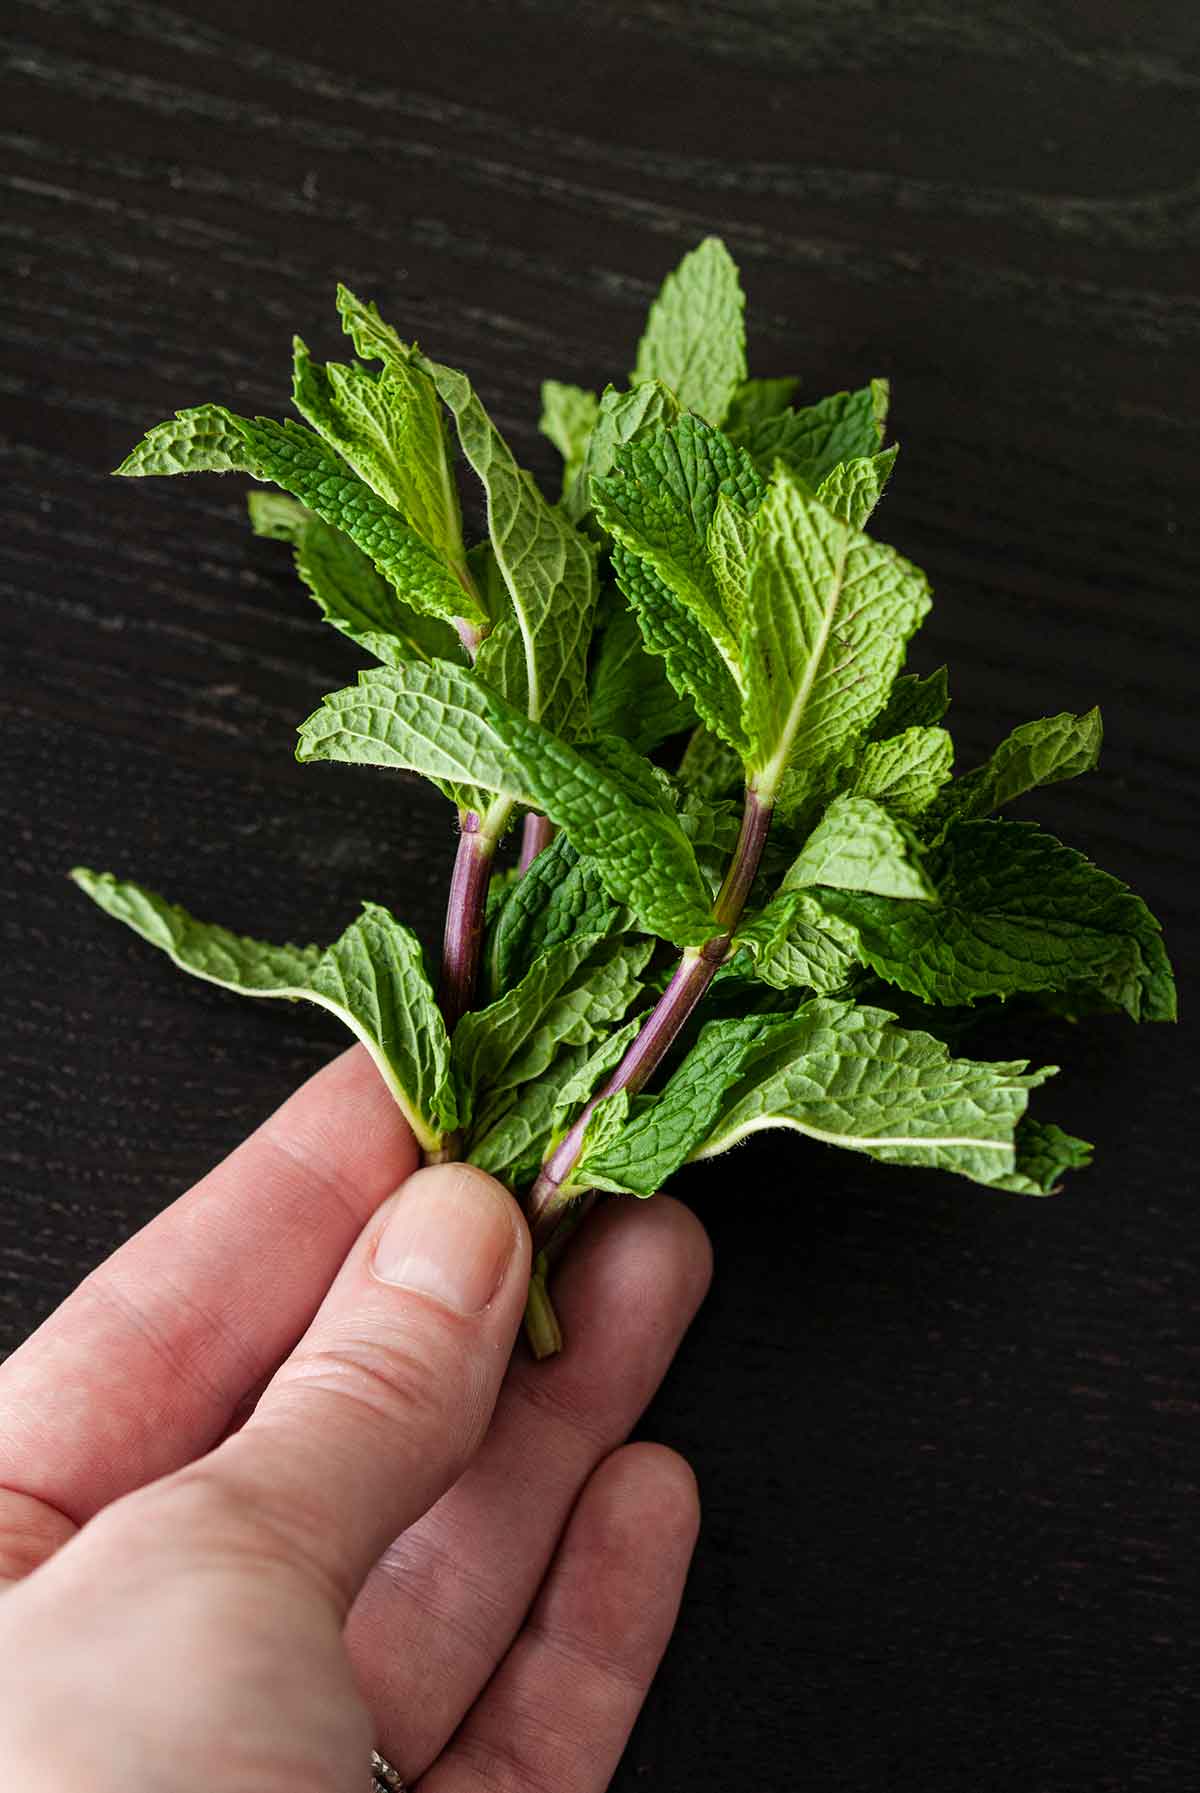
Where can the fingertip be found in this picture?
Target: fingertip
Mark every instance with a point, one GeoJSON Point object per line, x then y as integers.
{"type": "Point", "coordinates": [648, 1252]}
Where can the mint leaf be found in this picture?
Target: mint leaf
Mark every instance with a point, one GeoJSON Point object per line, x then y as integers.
{"type": "Point", "coordinates": [847, 426]}
{"type": "Point", "coordinates": [212, 440]}
{"type": "Point", "coordinates": [445, 725]}
{"type": "Point", "coordinates": [694, 664]}
{"type": "Point", "coordinates": [568, 418]}
{"type": "Point", "coordinates": [755, 401]}
{"type": "Point", "coordinates": [659, 502]}
{"type": "Point", "coordinates": [847, 1075]}
{"type": "Point", "coordinates": [1036, 753]}
{"type": "Point", "coordinates": [663, 1130]}
{"type": "Point", "coordinates": [858, 845]}
{"type": "Point", "coordinates": [1044, 1154]}
{"type": "Point", "coordinates": [1017, 912]}
{"type": "Point", "coordinates": [622, 417]}
{"type": "Point", "coordinates": [348, 591]}
{"type": "Point", "coordinates": [695, 336]}
{"type": "Point", "coordinates": [547, 566]}
{"type": "Point", "coordinates": [827, 619]}
{"type": "Point", "coordinates": [709, 767]}
{"type": "Point", "coordinates": [914, 702]}
{"type": "Point", "coordinates": [905, 771]}
{"type": "Point", "coordinates": [372, 977]}
{"type": "Point", "coordinates": [853, 488]}
{"type": "Point", "coordinates": [561, 895]}
{"type": "Point", "coordinates": [630, 693]}
{"type": "Point", "coordinates": [570, 996]}
{"type": "Point", "coordinates": [793, 944]}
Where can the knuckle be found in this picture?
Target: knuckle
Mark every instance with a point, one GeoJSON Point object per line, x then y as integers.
{"type": "Point", "coordinates": [31, 1531]}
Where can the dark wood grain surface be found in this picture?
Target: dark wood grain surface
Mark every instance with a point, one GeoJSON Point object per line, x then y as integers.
{"type": "Point", "coordinates": [947, 1441]}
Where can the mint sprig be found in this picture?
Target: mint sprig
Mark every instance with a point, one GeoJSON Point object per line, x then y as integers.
{"type": "Point", "coordinates": [694, 947]}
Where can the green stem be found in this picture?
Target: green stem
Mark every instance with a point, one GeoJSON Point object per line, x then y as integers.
{"type": "Point", "coordinates": [541, 1322]}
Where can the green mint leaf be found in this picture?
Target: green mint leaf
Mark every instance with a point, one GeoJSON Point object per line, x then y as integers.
{"type": "Point", "coordinates": [664, 1130]}
{"type": "Point", "coordinates": [622, 417]}
{"type": "Point", "coordinates": [1037, 753]}
{"type": "Point", "coordinates": [442, 723]}
{"type": "Point", "coordinates": [659, 503]}
{"type": "Point", "coordinates": [568, 418]}
{"type": "Point", "coordinates": [570, 996]}
{"type": "Point", "coordinates": [847, 426]}
{"type": "Point", "coordinates": [695, 336]}
{"type": "Point", "coordinates": [827, 619]}
{"type": "Point", "coordinates": [914, 702]}
{"type": "Point", "coordinates": [1018, 912]}
{"type": "Point", "coordinates": [709, 767]}
{"type": "Point", "coordinates": [858, 845]}
{"type": "Point", "coordinates": [547, 565]}
{"type": "Point", "coordinates": [561, 895]}
{"type": "Point", "coordinates": [630, 693]}
{"type": "Point", "coordinates": [853, 488]}
{"type": "Point", "coordinates": [848, 1076]}
{"type": "Point", "coordinates": [694, 664]}
{"type": "Point", "coordinates": [213, 440]}
{"type": "Point", "coordinates": [905, 771]}
{"type": "Point", "coordinates": [1044, 1155]}
{"type": "Point", "coordinates": [755, 401]}
{"type": "Point", "coordinates": [730, 539]}
{"type": "Point", "coordinates": [792, 944]}
{"type": "Point", "coordinates": [348, 591]}
{"type": "Point", "coordinates": [372, 977]}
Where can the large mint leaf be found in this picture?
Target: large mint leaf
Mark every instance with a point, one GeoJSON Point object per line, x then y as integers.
{"type": "Point", "coordinates": [212, 440]}
{"type": "Point", "coordinates": [622, 417]}
{"type": "Point", "coordinates": [570, 996]}
{"type": "Point", "coordinates": [547, 565]}
{"type": "Point", "coordinates": [858, 845]}
{"type": "Point", "coordinates": [905, 771]}
{"type": "Point", "coordinates": [848, 1076]}
{"type": "Point", "coordinates": [630, 693]}
{"type": "Point", "coordinates": [811, 442]}
{"type": "Point", "coordinates": [1018, 912]}
{"type": "Point", "coordinates": [348, 591]}
{"type": "Point", "coordinates": [827, 619]}
{"type": "Point", "coordinates": [568, 418]}
{"type": "Point", "coordinates": [373, 978]}
{"type": "Point", "coordinates": [447, 726]}
{"type": "Point", "coordinates": [1036, 753]}
{"type": "Point", "coordinates": [560, 895]}
{"type": "Point", "coordinates": [1044, 1154]}
{"type": "Point", "coordinates": [695, 336]}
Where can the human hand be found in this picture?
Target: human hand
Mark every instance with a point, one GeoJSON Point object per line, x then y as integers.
{"type": "Point", "coordinates": [262, 1506]}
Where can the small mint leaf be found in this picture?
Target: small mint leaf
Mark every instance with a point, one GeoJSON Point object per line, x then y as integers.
{"type": "Point", "coordinates": [695, 336]}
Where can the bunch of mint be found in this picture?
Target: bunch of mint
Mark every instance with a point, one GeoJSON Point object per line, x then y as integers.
{"type": "Point", "coordinates": [741, 828]}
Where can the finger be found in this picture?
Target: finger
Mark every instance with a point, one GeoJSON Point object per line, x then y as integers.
{"type": "Point", "coordinates": [446, 1600]}
{"type": "Point", "coordinates": [381, 1404]}
{"type": "Point", "coordinates": [142, 1367]}
{"type": "Point", "coordinates": [559, 1711]}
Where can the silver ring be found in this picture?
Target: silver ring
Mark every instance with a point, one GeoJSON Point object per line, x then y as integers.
{"type": "Point", "coordinates": [384, 1778]}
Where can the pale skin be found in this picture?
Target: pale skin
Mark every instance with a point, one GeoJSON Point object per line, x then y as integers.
{"type": "Point", "coordinates": [272, 1492]}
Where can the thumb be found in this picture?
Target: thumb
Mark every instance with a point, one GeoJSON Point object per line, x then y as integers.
{"type": "Point", "coordinates": [386, 1397]}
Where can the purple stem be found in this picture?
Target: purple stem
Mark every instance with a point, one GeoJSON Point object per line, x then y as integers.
{"type": "Point", "coordinates": [537, 833]}
{"type": "Point", "coordinates": [465, 911]}
{"type": "Point", "coordinates": [693, 975]}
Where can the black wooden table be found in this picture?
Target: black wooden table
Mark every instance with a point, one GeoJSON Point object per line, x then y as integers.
{"type": "Point", "coordinates": [947, 1440]}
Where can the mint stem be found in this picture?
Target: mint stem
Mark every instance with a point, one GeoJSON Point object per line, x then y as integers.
{"type": "Point", "coordinates": [552, 1191]}
{"type": "Point", "coordinates": [465, 909]}
{"type": "Point", "coordinates": [538, 832]}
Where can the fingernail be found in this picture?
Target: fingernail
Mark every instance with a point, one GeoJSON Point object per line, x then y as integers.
{"type": "Point", "coordinates": [450, 1234]}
